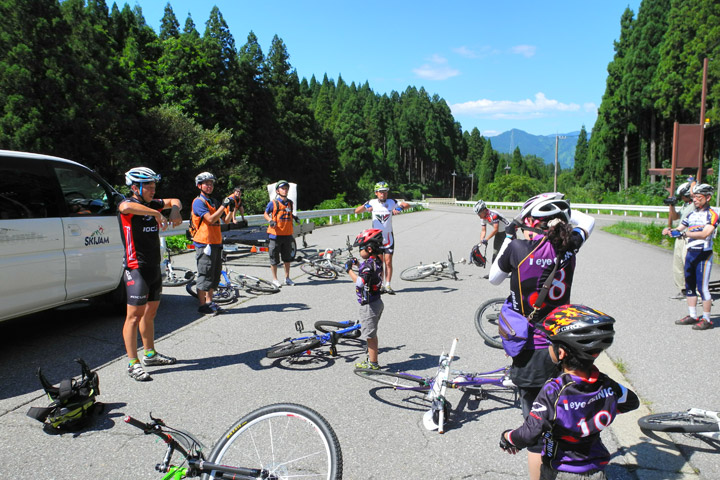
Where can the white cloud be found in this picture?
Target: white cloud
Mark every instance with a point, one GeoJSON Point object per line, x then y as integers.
{"type": "Point", "coordinates": [541, 106]}
{"type": "Point", "coordinates": [481, 52]}
{"type": "Point", "coordinates": [590, 107]}
{"type": "Point", "coordinates": [437, 69]}
{"type": "Point", "coordinates": [525, 50]}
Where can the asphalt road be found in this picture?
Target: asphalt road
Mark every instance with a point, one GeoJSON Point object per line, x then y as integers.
{"type": "Point", "coordinates": [223, 374]}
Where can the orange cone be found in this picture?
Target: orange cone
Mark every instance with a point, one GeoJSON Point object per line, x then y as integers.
{"type": "Point", "coordinates": [253, 249]}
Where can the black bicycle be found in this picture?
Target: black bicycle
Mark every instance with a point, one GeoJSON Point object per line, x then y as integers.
{"type": "Point", "coordinates": [280, 441]}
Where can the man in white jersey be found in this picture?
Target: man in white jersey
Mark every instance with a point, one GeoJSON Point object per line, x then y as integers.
{"type": "Point", "coordinates": [382, 209]}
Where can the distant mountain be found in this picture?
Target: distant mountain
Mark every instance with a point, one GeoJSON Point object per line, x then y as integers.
{"type": "Point", "coordinates": [541, 145]}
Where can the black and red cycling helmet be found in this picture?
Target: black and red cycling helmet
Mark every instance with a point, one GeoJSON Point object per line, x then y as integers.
{"type": "Point", "coordinates": [584, 331]}
{"type": "Point", "coordinates": [477, 258]}
{"type": "Point", "coordinates": [372, 237]}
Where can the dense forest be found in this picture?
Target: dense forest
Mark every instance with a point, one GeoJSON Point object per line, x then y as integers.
{"type": "Point", "coordinates": [96, 84]}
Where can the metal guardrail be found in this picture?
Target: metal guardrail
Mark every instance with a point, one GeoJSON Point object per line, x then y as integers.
{"type": "Point", "coordinates": [588, 208]}
{"type": "Point", "coordinates": [257, 220]}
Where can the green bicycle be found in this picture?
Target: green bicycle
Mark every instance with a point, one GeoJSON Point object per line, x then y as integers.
{"type": "Point", "coordinates": [275, 442]}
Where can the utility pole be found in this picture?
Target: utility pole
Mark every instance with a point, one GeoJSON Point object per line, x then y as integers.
{"type": "Point", "coordinates": [557, 140]}
{"type": "Point", "coordinates": [453, 175]}
{"type": "Point", "coordinates": [472, 179]}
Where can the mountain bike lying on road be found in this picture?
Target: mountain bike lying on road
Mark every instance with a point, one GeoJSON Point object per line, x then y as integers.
{"type": "Point", "coordinates": [438, 268]}
{"type": "Point", "coordinates": [436, 385]}
{"type": "Point", "coordinates": [279, 441]}
{"type": "Point", "coordinates": [231, 282]}
{"type": "Point", "coordinates": [174, 276]}
{"type": "Point", "coordinates": [331, 332]}
{"type": "Point", "coordinates": [486, 321]}
{"type": "Point", "coordinates": [696, 421]}
{"type": "Point", "coordinates": [328, 263]}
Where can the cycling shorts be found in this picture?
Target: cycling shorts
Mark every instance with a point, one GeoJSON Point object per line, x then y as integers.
{"type": "Point", "coordinates": [280, 246]}
{"type": "Point", "coordinates": [143, 285]}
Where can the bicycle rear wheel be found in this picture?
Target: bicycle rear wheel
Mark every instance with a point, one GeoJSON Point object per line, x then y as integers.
{"type": "Point", "coordinates": [399, 381]}
{"type": "Point", "coordinates": [254, 284]}
{"type": "Point", "coordinates": [222, 294]}
{"type": "Point", "coordinates": [680, 422]}
{"type": "Point", "coordinates": [286, 440]}
{"type": "Point", "coordinates": [177, 277]}
{"type": "Point", "coordinates": [327, 327]}
{"type": "Point", "coordinates": [417, 272]}
{"type": "Point", "coordinates": [486, 321]}
{"type": "Point", "coordinates": [293, 347]}
{"type": "Point", "coordinates": [318, 271]}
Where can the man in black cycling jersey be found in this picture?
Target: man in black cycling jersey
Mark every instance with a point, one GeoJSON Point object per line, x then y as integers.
{"type": "Point", "coordinates": [141, 219]}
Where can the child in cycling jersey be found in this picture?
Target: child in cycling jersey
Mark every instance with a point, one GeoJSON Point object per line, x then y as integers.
{"type": "Point", "coordinates": [368, 281]}
{"type": "Point", "coordinates": [571, 410]}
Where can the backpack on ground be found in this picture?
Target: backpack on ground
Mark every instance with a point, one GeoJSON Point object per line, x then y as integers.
{"type": "Point", "coordinates": [71, 402]}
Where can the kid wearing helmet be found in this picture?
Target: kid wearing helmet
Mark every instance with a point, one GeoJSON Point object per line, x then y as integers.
{"type": "Point", "coordinates": [141, 219]}
{"type": "Point", "coordinates": [382, 209]}
{"type": "Point", "coordinates": [699, 229]}
{"type": "Point", "coordinates": [207, 238]}
{"type": "Point", "coordinates": [368, 281]}
{"type": "Point", "coordinates": [494, 219]}
{"type": "Point", "coordinates": [571, 410]}
{"type": "Point", "coordinates": [555, 232]}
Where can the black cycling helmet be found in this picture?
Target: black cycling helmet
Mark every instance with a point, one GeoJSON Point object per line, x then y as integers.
{"type": "Point", "coordinates": [584, 331]}
{"type": "Point", "coordinates": [372, 237]}
{"type": "Point", "coordinates": [476, 257]}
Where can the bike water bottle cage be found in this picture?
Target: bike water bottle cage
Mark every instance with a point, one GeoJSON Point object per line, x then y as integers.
{"type": "Point", "coordinates": [71, 400]}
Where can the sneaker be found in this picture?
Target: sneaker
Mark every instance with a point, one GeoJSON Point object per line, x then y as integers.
{"type": "Point", "coordinates": [216, 308]}
{"type": "Point", "coordinates": [277, 283]}
{"type": "Point", "coordinates": [206, 310]}
{"type": "Point", "coordinates": [158, 359]}
{"type": "Point", "coordinates": [389, 290]}
{"type": "Point", "coordinates": [688, 320]}
{"type": "Point", "coordinates": [368, 365]}
{"type": "Point", "coordinates": [136, 372]}
{"type": "Point", "coordinates": [703, 325]}
{"type": "Point", "coordinates": [289, 282]}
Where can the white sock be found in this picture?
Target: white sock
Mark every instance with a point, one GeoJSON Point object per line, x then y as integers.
{"type": "Point", "coordinates": [693, 311]}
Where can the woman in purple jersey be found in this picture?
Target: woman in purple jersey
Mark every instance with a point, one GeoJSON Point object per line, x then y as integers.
{"type": "Point", "coordinates": [554, 232]}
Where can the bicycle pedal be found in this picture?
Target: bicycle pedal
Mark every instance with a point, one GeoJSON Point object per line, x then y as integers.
{"type": "Point", "coordinates": [299, 326]}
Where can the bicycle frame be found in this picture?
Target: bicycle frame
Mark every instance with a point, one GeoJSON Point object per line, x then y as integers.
{"type": "Point", "coordinates": [325, 338]}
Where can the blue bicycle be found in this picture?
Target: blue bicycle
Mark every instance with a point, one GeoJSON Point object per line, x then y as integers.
{"type": "Point", "coordinates": [231, 283]}
{"type": "Point", "coordinates": [331, 332]}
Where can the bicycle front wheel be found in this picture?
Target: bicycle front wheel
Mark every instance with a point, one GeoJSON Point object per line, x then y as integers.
{"type": "Point", "coordinates": [285, 440]}
{"type": "Point", "coordinates": [177, 277]}
{"type": "Point", "coordinates": [317, 271]}
{"type": "Point", "coordinates": [486, 321]}
{"type": "Point", "coordinates": [399, 381]}
{"type": "Point", "coordinates": [417, 272]}
{"type": "Point", "coordinates": [222, 294]}
{"type": "Point", "coordinates": [680, 422]}
{"type": "Point", "coordinates": [293, 347]}
{"type": "Point", "coordinates": [328, 327]}
{"type": "Point", "coordinates": [254, 284]}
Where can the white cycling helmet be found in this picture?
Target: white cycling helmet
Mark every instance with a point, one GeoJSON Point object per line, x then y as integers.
{"type": "Point", "coordinates": [204, 176]}
{"type": "Point", "coordinates": [703, 189]}
{"type": "Point", "coordinates": [479, 207]}
{"type": "Point", "coordinates": [140, 175]}
{"type": "Point", "coordinates": [683, 190]}
{"type": "Point", "coordinates": [547, 206]}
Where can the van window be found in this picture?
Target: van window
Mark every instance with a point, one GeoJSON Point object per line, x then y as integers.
{"type": "Point", "coordinates": [26, 191]}
{"type": "Point", "coordinates": [83, 194]}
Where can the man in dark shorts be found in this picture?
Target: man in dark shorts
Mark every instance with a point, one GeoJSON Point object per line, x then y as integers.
{"type": "Point", "coordinates": [279, 214]}
{"type": "Point", "coordinates": [141, 219]}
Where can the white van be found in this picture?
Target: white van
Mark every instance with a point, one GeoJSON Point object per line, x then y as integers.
{"type": "Point", "coordinates": [59, 234]}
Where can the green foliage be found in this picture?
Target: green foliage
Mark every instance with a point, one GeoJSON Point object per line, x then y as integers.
{"type": "Point", "coordinates": [255, 200]}
{"type": "Point", "coordinates": [513, 188]}
{"type": "Point", "coordinates": [337, 202]}
{"type": "Point", "coordinates": [646, 232]}
{"type": "Point", "coordinates": [177, 243]}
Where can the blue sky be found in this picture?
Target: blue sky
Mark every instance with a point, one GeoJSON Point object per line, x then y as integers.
{"type": "Point", "coordinates": [536, 66]}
